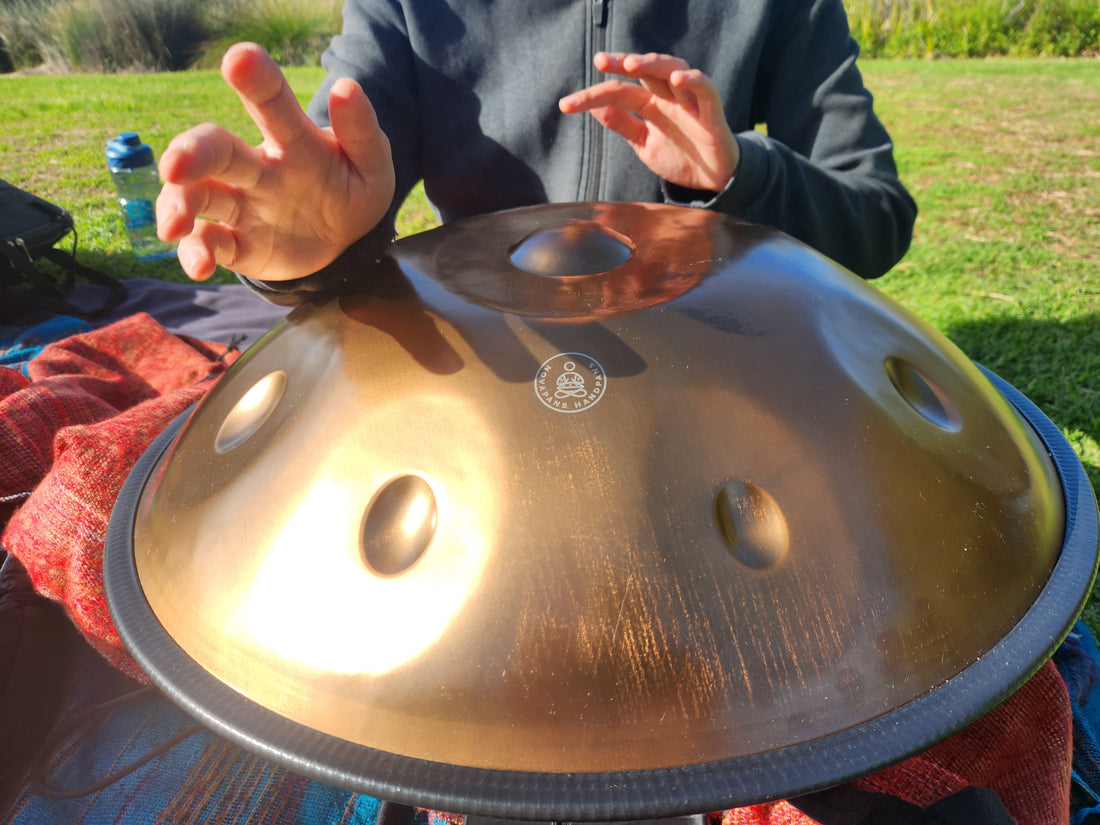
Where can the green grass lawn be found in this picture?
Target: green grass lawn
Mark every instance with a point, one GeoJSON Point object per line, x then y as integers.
{"type": "Point", "coordinates": [1003, 157]}
{"type": "Point", "coordinates": [1005, 166]}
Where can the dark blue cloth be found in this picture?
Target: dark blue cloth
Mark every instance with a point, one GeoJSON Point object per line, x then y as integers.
{"type": "Point", "coordinates": [230, 314]}
{"type": "Point", "coordinates": [124, 754]}
{"type": "Point", "coordinates": [1078, 660]}
{"type": "Point", "coordinates": [18, 345]}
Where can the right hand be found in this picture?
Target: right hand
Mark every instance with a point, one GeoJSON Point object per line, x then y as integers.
{"type": "Point", "coordinates": [292, 204]}
{"type": "Point", "coordinates": [670, 114]}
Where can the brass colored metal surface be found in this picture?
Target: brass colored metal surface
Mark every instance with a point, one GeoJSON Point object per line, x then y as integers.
{"type": "Point", "coordinates": [503, 512]}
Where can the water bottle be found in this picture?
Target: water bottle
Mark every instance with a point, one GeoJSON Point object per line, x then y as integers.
{"type": "Point", "coordinates": [135, 177]}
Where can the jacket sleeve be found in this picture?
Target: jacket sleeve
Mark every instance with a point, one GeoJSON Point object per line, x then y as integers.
{"type": "Point", "coordinates": [824, 170]}
{"type": "Point", "coordinates": [374, 50]}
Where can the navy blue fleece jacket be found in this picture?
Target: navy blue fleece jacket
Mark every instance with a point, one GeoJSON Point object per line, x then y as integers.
{"type": "Point", "coordinates": [467, 91]}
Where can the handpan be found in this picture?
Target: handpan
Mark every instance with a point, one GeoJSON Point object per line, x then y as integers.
{"type": "Point", "coordinates": [598, 512]}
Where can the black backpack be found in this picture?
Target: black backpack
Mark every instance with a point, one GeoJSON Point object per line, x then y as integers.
{"type": "Point", "coordinates": [29, 229]}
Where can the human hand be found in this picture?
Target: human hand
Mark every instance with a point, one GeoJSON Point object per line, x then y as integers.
{"type": "Point", "coordinates": [292, 204]}
{"type": "Point", "coordinates": [672, 117]}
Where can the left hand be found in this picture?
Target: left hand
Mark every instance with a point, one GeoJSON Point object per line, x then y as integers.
{"type": "Point", "coordinates": [672, 117]}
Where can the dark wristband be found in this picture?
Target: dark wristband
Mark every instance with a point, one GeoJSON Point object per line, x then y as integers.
{"type": "Point", "coordinates": [343, 275]}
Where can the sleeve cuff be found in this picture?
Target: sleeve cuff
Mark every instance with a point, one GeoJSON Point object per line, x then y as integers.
{"type": "Point", "coordinates": [696, 198]}
{"type": "Point", "coordinates": [342, 276]}
{"type": "Point", "coordinates": [741, 189]}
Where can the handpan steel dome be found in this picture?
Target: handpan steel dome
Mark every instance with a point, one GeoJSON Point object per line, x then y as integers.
{"type": "Point", "coordinates": [600, 511]}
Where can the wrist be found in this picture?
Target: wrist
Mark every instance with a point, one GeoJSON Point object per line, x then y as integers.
{"type": "Point", "coordinates": [707, 198]}
{"type": "Point", "coordinates": [697, 198]}
{"type": "Point", "coordinates": [343, 275]}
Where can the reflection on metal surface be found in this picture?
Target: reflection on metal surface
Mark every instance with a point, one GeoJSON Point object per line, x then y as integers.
{"type": "Point", "coordinates": [286, 536]}
{"type": "Point", "coordinates": [573, 249]}
{"type": "Point", "coordinates": [557, 585]}
{"type": "Point", "coordinates": [368, 626]}
{"type": "Point", "coordinates": [752, 525]}
{"type": "Point", "coordinates": [251, 411]}
{"type": "Point", "coordinates": [399, 525]}
{"type": "Point", "coordinates": [923, 395]}
{"type": "Point", "coordinates": [472, 258]}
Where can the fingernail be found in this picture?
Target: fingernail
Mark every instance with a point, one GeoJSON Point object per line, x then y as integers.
{"type": "Point", "coordinates": [191, 260]}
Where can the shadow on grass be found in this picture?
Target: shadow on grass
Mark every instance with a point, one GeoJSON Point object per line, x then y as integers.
{"type": "Point", "coordinates": [1055, 364]}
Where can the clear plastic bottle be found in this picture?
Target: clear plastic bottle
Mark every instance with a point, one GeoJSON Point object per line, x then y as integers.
{"type": "Point", "coordinates": [134, 173]}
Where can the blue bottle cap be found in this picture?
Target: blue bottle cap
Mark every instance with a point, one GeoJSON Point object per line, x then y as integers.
{"type": "Point", "coordinates": [128, 152]}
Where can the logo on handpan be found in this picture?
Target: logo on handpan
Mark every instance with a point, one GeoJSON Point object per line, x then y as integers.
{"type": "Point", "coordinates": [570, 382]}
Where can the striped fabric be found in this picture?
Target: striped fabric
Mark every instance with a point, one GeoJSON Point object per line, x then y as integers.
{"type": "Point", "coordinates": [202, 779]}
{"type": "Point", "coordinates": [68, 438]}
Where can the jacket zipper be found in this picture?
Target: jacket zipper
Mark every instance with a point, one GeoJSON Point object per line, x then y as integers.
{"type": "Point", "coordinates": [594, 147]}
{"type": "Point", "coordinates": [599, 16]}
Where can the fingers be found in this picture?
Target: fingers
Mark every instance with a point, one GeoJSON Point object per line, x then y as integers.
{"type": "Point", "coordinates": [634, 130]}
{"type": "Point", "coordinates": [283, 208]}
{"type": "Point", "coordinates": [624, 108]}
{"type": "Point", "coordinates": [197, 251]}
{"type": "Point", "coordinates": [209, 151]}
{"type": "Point", "coordinates": [207, 246]}
{"type": "Point", "coordinates": [660, 75]}
{"type": "Point", "coordinates": [695, 92]}
{"type": "Point", "coordinates": [670, 78]}
{"type": "Point", "coordinates": [355, 127]}
{"type": "Point", "coordinates": [639, 65]}
{"type": "Point", "coordinates": [203, 170]}
{"type": "Point", "coordinates": [652, 70]}
{"type": "Point", "coordinates": [178, 207]}
{"type": "Point", "coordinates": [670, 114]}
{"type": "Point", "coordinates": [265, 94]}
{"type": "Point", "coordinates": [619, 93]}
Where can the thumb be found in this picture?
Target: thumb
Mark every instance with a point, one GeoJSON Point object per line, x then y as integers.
{"type": "Point", "coordinates": [356, 129]}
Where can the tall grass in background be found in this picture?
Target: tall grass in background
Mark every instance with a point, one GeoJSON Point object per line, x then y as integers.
{"type": "Point", "coordinates": [147, 35]}
{"type": "Point", "coordinates": [65, 36]}
{"type": "Point", "coordinates": [976, 28]}
{"type": "Point", "coordinates": [126, 35]}
{"type": "Point", "coordinates": [20, 34]}
{"type": "Point", "coordinates": [294, 32]}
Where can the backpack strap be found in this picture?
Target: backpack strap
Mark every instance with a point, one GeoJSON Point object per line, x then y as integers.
{"type": "Point", "coordinates": [43, 293]}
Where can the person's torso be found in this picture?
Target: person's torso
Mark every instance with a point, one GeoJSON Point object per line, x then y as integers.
{"type": "Point", "coordinates": [489, 76]}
